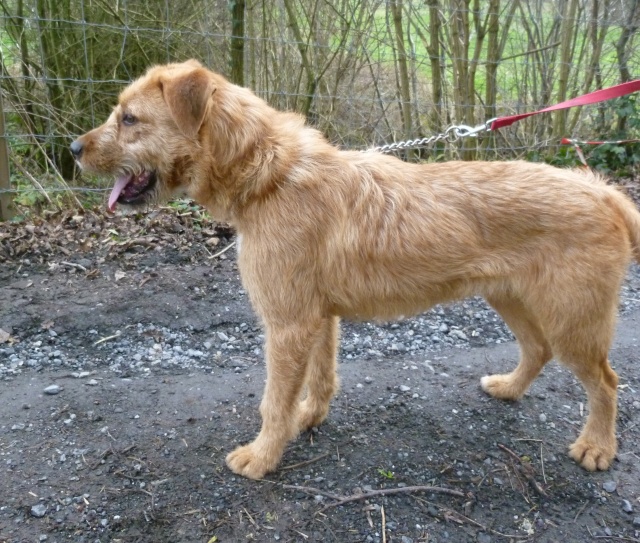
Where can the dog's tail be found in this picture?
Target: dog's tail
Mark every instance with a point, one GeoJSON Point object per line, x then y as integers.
{"type": "Point", "coordinates": [631, 217]}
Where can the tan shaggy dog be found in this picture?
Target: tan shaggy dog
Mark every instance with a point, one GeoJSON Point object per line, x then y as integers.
{"type": "Point", "coordinates": [327, 233]}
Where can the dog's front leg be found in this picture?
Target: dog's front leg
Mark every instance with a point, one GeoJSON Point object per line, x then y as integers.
{"type": "Point", "coordinates": [288, 347]}
{"type": "Point", "coordinates": [322, 379]}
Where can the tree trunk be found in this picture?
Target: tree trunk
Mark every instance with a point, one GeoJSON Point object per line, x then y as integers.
{"type": "Point", "coordinates": [404, 87]}
{"type": "Point", "coordinates": [303, 47]}
{"type": "Point", "coordinates": [623, 55]}
{"type": "Point", "coordinates": [433, 49]}
{"type": "Point", "coordinates": [598, 27]}
{"type": "Point", "coordinates": [493, 59]}
{"type": "Point", "coordinates": [236, 57]}
{"type": "Point", "coordinates": [567, 36]}
{"type": "Point", "coordinates": [463, 87]}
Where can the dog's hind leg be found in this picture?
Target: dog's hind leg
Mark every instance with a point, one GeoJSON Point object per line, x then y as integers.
{"type": "Point", "coordinates": [583, 348]}
{"type": "Point", "coordinates": [288, 348]}
{"type": "Point", "coordinates": [579, 320]}
{"type": "Point", "coordinates": [535, 350]}
{"type": "Point", "coordinates": [321, 378]}
{"type": "Point", "coordinates": [596, 446]}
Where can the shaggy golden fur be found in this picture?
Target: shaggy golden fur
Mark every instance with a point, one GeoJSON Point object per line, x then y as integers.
{"type": "Point", "coordinates": [329, 233]}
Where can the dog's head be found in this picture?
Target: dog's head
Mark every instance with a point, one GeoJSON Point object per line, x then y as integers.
{"type": "Point", "coordinates": [152, 135]}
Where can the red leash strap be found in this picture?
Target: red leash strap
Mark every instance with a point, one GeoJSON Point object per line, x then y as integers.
{"type": "Point", "coordinates": [591, 98]}
{"type": "Point", "coordinates": [577, 143]}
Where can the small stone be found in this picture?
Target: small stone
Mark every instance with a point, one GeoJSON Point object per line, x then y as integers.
{"type": "Point", "coordinates": [626, 506]}
{"type": "Point", "coordinates": [636, 521]}
{"type": "Point", "coordinates": [498, 481]}
{"type": "Point", "coordinates": [404, 388]}
{"type": "Point", "coordinates": [92, 382]}
{"type": "Point", "coordinates": [52, 390]}
{"type": "Point", "coordinates": [542, 417]}
{"type": "Point", "coordinates": [19, 426]}
{"type": "Point", "coordinates": [39, 510]}
{"type": "Point", "coordinates": [609, 486]}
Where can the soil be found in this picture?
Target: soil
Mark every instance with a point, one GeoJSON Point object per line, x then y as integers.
{"type": "Point", "coordinates": [141, 327]}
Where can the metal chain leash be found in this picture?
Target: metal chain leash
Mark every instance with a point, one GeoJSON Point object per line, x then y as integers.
{"type": "Point", "coordinates": [450, 135]}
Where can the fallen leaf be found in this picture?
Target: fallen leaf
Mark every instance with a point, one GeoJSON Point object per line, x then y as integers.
{"type": "Point", "coordinates": [4, 336]}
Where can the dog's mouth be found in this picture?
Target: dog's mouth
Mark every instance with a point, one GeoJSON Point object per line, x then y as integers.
{"type": "Point", "coordinates": [132, 189]}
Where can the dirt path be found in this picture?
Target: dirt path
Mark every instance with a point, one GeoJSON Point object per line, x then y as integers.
{"type": "Point", "coordinates": [155, 361]}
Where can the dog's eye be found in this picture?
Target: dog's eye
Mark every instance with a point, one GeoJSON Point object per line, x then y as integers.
{"type": "Point", "coordinates": [128, 119]}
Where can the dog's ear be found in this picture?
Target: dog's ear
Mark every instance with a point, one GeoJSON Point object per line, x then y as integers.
{"type": "Point", "coordinates": [187, 95]}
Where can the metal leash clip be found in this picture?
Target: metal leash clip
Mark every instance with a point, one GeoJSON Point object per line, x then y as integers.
{"type": "Point", "coordinates": [450, 135]}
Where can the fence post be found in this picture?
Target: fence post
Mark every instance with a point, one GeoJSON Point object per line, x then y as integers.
{"type": "Point", "coordinates": [6, 198]}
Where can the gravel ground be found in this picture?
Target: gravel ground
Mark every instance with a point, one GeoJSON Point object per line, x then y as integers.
{"type": "Point", "coordinates": [131, 364]}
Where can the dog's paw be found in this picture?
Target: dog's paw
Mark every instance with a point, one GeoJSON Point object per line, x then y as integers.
{"type": "Point", "coordinates": [310, 415]}
{"type": "Point", "coordinates": [501, 387]}
{"type": "Point", "coordinates": [248, 462]}
{"type": "Point", "coordinates": [592, 455]}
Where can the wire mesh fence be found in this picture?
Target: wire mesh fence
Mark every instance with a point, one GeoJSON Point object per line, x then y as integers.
{"type": "Point", "coordinates": [365, 72]}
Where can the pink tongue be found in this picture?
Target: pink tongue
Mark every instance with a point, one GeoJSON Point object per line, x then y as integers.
{"type": "Point", "coordinates": [121, 183]}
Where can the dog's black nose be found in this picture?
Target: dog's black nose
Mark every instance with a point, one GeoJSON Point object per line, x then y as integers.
{"type": "Point", "coordinates": [76, 148]}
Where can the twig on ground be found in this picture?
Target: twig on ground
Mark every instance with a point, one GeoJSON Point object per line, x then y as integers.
{"type": "Point", "coordinates": [575, 519]}
{"type": "Point", "coordinates": [114, 336]}
{"type": "Point", "coordinates": [306, 462]}
{"type": "Point", "coordinates": [249, 516]}
{"type": "Point", "coordinates": [384, 525]}
{"type": "Point", "coordinates": [525, 470]}
{"type": "Point", "coordinates": [311, 460]}
{"type": "Point", "coordinates": [509, 451]}
{"type": "Point", "coordinates": [313, 491]}
{"type": "Point", "coordinates": [544, 477]}
{"type": "Point", "coordinates": [341, 500]}
{"type": "Point", "coordinates": [617, 538]}
{"type": "Point", "coordinates": [73, 265]}
{"type": "Point", "coordinates": [223, 250]}
{"type": "Point", "coordinates": [462, 518]}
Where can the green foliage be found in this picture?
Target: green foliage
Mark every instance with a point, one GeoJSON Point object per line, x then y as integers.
{"type": "Point", "coordinates": [621, 159]}
{"type": "Point", "coordinates": [387, 474]}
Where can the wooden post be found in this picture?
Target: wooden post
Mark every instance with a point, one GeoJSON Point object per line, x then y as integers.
{"type": "Point", "coordinates": [6, 198]}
